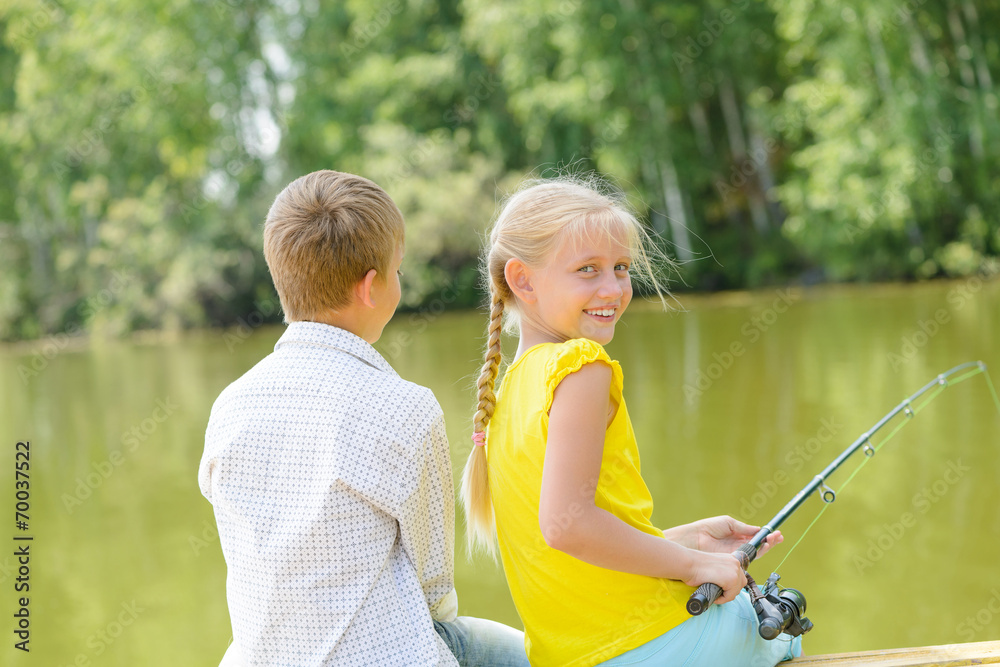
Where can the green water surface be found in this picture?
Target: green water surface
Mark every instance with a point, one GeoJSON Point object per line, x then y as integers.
{"type": "Point", "coordinates": [737, 402]}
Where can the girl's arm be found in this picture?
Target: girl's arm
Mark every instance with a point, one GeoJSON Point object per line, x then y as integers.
{"type": "Point", "coordinates": [573, 524]}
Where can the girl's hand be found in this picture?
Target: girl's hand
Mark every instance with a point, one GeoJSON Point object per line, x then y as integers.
{"type": "Point", "coordinates": [724, 534]}
{"type": "Point", "coordinates": [723, 570]}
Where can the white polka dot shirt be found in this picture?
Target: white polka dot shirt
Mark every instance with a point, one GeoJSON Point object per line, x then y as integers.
{"type": "Point", "coordinates": [330, 477]}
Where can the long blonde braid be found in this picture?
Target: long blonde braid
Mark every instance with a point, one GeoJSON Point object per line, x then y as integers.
{"type": "Point", "coordinates": [475, 477]}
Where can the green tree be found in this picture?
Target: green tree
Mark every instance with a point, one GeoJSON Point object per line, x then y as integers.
{"type": "Point", "coordinates": [896, 132]}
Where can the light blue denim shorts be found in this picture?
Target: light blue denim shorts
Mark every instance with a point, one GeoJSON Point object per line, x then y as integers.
{"type": "Point", "coordinates": [725, 634]}
{"type": "Point", "coordinates": [478, 642]}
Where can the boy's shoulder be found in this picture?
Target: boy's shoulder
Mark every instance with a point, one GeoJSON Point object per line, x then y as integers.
{"type": "Point", "coordinates": [331, 379]}
{"type": "Point", "coordinates": [393, 396]}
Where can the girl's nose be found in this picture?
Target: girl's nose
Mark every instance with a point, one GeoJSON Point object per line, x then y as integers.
{"type": "Point", "coordinates": [610, 288]}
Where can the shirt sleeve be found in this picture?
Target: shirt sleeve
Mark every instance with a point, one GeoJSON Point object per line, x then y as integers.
{"type": "Point", "coordinates": [571, 356]}
{"type": "Point", "coordinates": [427, 524]}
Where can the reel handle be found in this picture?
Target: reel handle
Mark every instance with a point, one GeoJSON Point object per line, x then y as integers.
{"type": "Point", "coordinates": [708, 592]}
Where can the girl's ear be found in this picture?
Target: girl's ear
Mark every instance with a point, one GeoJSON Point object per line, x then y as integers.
{"type": "Point", "coordinates": [519, 277]}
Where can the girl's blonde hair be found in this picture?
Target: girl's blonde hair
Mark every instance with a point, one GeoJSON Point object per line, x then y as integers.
{"type": "Point", "coordinates": [529, 228]}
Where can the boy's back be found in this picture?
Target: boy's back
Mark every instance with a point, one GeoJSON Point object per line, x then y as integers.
{"type": "Point", "coordinates": [331, 482]}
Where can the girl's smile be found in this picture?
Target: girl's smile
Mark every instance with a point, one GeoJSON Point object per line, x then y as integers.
{"type": "Point", "coordinates": [603, 314]}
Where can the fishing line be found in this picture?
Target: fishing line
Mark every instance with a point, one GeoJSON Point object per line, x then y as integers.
{"type": "Point", "coordinates": [783, 609]}
{"type": "Point", "coordinates": [910, 411]}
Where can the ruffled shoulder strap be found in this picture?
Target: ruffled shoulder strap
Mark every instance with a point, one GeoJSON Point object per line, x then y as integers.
{"type": "Point", "coordinates": [570, 357]}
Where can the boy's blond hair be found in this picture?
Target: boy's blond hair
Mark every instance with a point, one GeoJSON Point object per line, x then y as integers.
{"type": "Point", "coordinates": [323, 233]}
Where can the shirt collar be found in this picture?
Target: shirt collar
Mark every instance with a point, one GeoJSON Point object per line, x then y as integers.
{"type": "Point", "coordinates": [326, 335]}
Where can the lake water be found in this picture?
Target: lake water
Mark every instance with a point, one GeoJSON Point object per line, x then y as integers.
{"type": "Point", "coordinates": [737, 403]}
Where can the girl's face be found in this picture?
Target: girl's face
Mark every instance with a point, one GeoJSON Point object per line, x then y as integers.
{"type": "Point", "coordinates": [581, 292]}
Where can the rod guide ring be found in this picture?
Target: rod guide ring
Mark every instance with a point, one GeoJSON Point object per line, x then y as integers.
{"type": "Point", "coordinates": [827, 494]}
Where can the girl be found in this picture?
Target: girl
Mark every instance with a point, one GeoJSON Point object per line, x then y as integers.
{"type": "Point", "coordinates": [558, 484]}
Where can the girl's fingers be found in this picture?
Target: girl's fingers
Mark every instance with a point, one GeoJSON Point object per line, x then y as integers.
{"type": "Point", "coordinates": [740, 527]}
{"type": "Point", "coordinates": [771, 540]}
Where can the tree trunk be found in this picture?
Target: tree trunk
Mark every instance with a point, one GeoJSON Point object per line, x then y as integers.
{"type": "Point", "coordinates": [676, 215]}
{"type": "Point", "coordinates": [969, 81]}
{"type": "Point", "coordinates": [734, 129]}
{"type": "Point", "coordinates": [982, 64]}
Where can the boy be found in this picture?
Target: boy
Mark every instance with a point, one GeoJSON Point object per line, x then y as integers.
{"type": "Point", "coordinates": [330, 475]}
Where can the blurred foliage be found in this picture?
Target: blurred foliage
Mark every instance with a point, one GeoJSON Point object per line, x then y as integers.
{"type": "Point", "coordinates": [141, 143]}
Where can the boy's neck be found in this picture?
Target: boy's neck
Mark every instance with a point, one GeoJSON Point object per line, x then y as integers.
{"type": "Point", "coordinates": [347, 320]}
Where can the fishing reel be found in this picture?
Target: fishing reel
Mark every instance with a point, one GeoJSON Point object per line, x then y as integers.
{"type": "Point", "coordinates": [779, 609]}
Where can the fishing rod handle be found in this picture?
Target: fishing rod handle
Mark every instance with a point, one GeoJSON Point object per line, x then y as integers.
{"type": "Point", "coordinates": [707, 593]}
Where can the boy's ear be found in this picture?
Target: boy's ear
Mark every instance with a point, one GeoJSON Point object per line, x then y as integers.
{"type": "Point", "coordinates": [363, 289]}
{"type": "Point", "coordinates": [518, 277]}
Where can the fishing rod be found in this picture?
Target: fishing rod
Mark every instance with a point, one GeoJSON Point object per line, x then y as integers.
{"type": "Point", "coordinates": [782, 609]}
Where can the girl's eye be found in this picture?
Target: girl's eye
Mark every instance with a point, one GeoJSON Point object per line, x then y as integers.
{"type": "Point", "coordinates": [621, 267]}
{"type": "Point", "coordinates": [588, 269]}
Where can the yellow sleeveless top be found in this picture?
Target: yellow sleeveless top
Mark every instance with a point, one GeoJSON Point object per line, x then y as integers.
{"type": "Point", "coordinates": [573, 613]}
